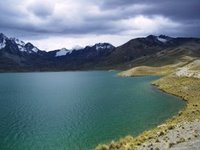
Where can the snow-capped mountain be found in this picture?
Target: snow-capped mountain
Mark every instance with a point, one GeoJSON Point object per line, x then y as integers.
{"type": "Point", "coordinates": [10, 44]}
{"type": "Point", "coordinates": [91, 50]}
{"type": "Point", "coordinates": [14, 45]}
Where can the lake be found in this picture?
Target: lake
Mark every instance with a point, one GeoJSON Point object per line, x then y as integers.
{"type": "Point", "coordinates": [77, 110]}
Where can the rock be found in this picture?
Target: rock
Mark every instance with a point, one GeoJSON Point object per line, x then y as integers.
{"type": "Point", "coordinates": [171, 127]}
{"type": "Point", "coordinates": [171, 144]}
{"type": "Point", "coordinates": [160, 133]}
{"type": "Point", "coordinates": [181, 140]}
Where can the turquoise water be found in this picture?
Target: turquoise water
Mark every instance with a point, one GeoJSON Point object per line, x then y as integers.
{"type": "Point", "coordinates": [77, 110]}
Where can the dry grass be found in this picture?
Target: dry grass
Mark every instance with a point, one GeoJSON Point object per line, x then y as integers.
{"type": "Point", "coordinates": [146, 70]}
{"type": "Point", "coordinates": [162, 70]}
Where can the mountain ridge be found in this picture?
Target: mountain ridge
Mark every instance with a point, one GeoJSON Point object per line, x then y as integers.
{"type": "Point", "coordinates": [16, 55]}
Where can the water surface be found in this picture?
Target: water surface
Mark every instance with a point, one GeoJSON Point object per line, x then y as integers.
{"type": "Point", "coordinates": [77, 110]}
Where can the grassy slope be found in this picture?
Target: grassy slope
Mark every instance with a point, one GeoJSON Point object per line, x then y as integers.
{"type": "Point", "coordinates": [165, 57]}
{"type": "Point", "coordinates": [147, 70]}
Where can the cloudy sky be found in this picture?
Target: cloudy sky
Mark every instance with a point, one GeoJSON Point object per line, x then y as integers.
{"type": "Point", "coordinates": [52, 24]}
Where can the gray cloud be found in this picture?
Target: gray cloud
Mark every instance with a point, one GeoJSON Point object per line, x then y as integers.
{"type": "Point", "coordinates": [41, 10]}
{"type": "Point", "coordinates": [41, 19]}
{"type": "Point", "coordinates": [181, 10]}
{"type": "Point", "coordinates": [177, 9]}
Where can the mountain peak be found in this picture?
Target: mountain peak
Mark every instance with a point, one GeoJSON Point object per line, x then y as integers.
{"type": "Point", "coordinates": [62, 52]}
{"type": "Point", "coordinates": [161, 38]}
{"type": "Point", "coordinates": [2, 35]}
{"type": "Point", "coordinates": [29, 44]}
{"type": "Point", "coordinates": [164, 38]}
{"type": "Point", "coordinates": [31, 48]}
{"type": "Point", "coordinates": [17, 41]}
{"type": "Point", "coordinates": [100, 46]}
{"type": "Point", "coordinates": [151, 36]}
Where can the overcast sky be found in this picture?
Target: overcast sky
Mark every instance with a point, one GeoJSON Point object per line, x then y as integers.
{"type": "Point", "coordinates": [52, 24]}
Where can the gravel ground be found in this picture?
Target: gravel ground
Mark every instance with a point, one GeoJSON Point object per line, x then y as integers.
{"type": "Point", "coordinates": [184, 136]}
{"type": "Point", "coordinates": [189, 145]}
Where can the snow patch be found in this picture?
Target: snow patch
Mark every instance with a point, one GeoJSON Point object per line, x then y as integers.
{"type": "Point", "coordinates": [3, 44]}
{"type": "Point", "coordinates": [103, 46]}
{"type": "Point", "coordinates": [21, 48]}
{"type": "Point", "coordinates": [162, 40]}
{"type": "Point", "coordinates": [34, 49]}
{"type": "Point", "coordinates": [62, 52]}
{"type": "Point", "coordinates": [18, 42]}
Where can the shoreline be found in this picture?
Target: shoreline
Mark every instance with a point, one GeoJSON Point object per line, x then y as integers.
{"type": "Point", "coordinates": [188, 90]}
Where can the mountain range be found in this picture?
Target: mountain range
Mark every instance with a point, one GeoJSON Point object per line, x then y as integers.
{"type": "Point", "coordinates": [18, 56]}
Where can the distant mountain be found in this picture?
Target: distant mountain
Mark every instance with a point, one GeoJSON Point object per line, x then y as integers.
{"type": "Point", "coordinates": [138, 51]}
{"type": "Point", "coordinates": [16, 55]}
{"type": "Point", "coordinates": [80, 59]}
{"type": "Point", "coordinates": [89, 51]}
{"type": "Point", "coordinates": [14, 45]}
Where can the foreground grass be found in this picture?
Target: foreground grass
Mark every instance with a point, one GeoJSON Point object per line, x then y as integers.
{"type": "Point", "coordinates": [188, 88]}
